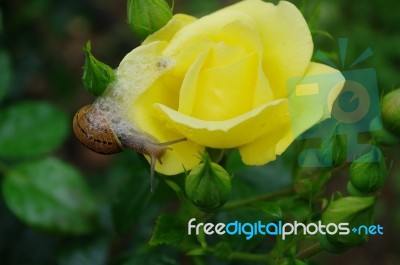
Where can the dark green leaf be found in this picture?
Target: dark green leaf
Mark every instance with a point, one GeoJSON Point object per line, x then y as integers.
{"type": "Point", "coordinates": [31, 128]}
{"type": "Point", "coordinates": [169, 230]}
{"type": "Point", "coordinates": [130, 200]}
{"type": "Point", "coordinates": [155, 258]}
{"type": "Point", "coordinates": [317, 32]}
{"type": "Point", "coordinates": [251, 180]}
{"type": "Point", "coordinates": [51, 195]}
{"type": "Point", "coordinates": [271, 209]}
{"type": "Point", "coordinates": [5, 70]}
{"type": "Point", "coordinates": [295, 209]}
{"type": "Point", "coordinates": [86, 254]}
{"type": "Point", "coordinates": [222, 250]}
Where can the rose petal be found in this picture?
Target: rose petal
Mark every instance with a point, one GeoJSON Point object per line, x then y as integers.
{"type": "Point", "coordinates": [263, 149]}
{"type": "Point", "coordinates": [229, 133]}
{"type": "Point", "coordinates": [166, 33]}
{"type": "Point", "coordinates": [231, 27]}
{"type": "Point", "coordinates": [306, 110]}
{"type": "Point", "coordinates": [188, 90]}
{"type": "Point", "coordinates": [141, 82]}
{"type": "Point", "coordinates": [286, 40]}
{"type": "Point", "coordinates": [219, 96]}
{"type": "Point", "coordinates": [182, 155]}
{"type": "Point", "coordinates": [229, 42]}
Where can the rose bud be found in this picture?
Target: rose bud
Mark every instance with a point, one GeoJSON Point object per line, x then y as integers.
{"type": "Point", "coordinates": [147, 16]}
{"type": "Point", "coordinates": [367, 173]}
{"type": "Point", "coordinates": [208, 185]}
{"type": "Point", "coordinates": [390, 107]}
{"type": "Point", "coordinates": [355, 211]}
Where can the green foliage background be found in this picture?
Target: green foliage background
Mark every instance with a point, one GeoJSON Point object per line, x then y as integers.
{"type": "Point", "coordinates": [92, 209]}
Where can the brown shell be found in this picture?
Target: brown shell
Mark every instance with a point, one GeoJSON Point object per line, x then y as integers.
{"type": "Point", "coordinates": [92, 129]}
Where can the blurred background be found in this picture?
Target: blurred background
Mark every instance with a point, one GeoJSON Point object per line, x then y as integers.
{"type": "Point", "coordinates": [41, 46]}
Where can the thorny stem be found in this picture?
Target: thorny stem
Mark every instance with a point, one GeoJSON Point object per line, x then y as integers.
{"type": "Point", "coordinates": [263, 197]}
{"type": "Point", "coordinates": [309, 252]}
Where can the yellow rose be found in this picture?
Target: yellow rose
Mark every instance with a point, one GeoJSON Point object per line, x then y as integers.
{"type": "Point", "coordinates": [221, 82]}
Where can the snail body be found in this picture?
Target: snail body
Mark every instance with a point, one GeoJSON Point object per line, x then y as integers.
{"type": "Point", "coordinates": [93, 130]}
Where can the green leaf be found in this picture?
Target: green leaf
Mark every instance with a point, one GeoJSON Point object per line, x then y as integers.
{"type": "Point", "coordinates": [51, 195]}
{"type": "Point", "coordinates": [271, 209]}
{"type": "Point", "coordinates": [130, 200]}
{"type": "Point", "coordinates": [88, 253]}
{"type": "Point", "coordinates": [97, 76]}
{"type": "Point", "coordinates": [317, 32]}
{"type": "Point", "coordinates": [31, 128]}
{"type": "Point", "coordinates": [169, 230]}
{"type": "Point", "coordinates": [252, 180]}
{"type": "Point", "coordinates": [222, 250]}
{"type": "Point", "coordinates": [199, 252]}
{"type": "Point", "coordinates": [153, 258]}
{"type": "Point", "coordinates": [295, 209]}
{"type": "Point", "coordinates": [6, 72]}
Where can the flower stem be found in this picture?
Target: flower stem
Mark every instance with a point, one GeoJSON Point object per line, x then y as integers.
{"type": "Point", "coordinates": [264, 258]}
{"type": "Point", "coordinates": [309, 252]}
{"type": "Point", "coordinates": [235, 256]}
{"type": "Point", "coordinates": [263, 197]}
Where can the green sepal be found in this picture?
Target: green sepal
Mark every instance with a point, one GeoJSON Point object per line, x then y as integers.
{"type": "Point", "coordinates": [97, 76]}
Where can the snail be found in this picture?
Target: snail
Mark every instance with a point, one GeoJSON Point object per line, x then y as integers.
{"type": "Point", "coordinates": [93, 130]}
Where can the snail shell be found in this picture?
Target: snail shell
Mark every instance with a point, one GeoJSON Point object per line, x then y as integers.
{"type": "Point", "coordinates": [93, 130]}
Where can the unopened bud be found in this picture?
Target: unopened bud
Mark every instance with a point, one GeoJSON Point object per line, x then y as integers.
{"type": "Point", "coordinates": [367, 173]}
{"type": "Point", "coordinates": [355, 211]}
{"type": "Point", "coordinates": [147, 16]}
{"type": "Point", "coordinates": [208, 185]}
{"type": "Point", "coordinates": [97, 76]}
{"type": "Point", "coordinates": [391, 111]}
